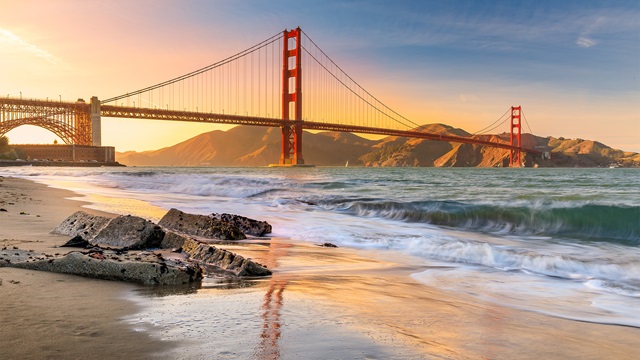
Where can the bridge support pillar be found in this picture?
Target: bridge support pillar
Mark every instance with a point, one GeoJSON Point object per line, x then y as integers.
{"type": "Point", "coordinates": [292, 93]}
{"type": "Point", "coordinates": [291, 145]}
{"type": "Point", "coordinates": [515, 159]}
{"type": "Point", "coordinates": [96, 122]}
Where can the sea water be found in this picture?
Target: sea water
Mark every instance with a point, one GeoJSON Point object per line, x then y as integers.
{"type": "Point", "coordinates": [564, 242]}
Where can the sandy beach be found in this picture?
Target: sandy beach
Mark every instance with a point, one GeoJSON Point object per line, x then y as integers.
{"type": "Point", "coordinates": [56, 316]}
{"type": "Point", "coordinates": [321, 303]}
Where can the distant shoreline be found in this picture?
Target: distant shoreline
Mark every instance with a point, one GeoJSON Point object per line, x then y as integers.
{"type": "Point", "coordinates": [5, 163]}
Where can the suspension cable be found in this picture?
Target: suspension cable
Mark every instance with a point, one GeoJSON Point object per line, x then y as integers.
{"type": "Point", "coordinates": [489, 128]}
{"type": "Point", "coordinates": [357, 84]}
{"type": "Point", "coordinates": [356, 94]}
{"type": "Point", "coordinates": [526, 122]}
{"type": "Point", "coordinates": [241, 54]}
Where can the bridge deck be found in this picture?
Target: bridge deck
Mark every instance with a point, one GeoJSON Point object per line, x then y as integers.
{"type": "Point", "coordinates": [172, 115]}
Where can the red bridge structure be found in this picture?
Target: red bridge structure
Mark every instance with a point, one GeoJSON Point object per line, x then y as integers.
{"type": "Point", "coordinates": [260, 86]}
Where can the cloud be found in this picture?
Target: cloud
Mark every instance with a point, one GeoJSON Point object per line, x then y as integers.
{"type": "Point", "coordinates": [585, 42]}
{"type": "Point", "coordinates": [12, 42]}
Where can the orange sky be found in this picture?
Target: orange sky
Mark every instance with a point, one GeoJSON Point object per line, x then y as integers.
{"type": "Point", "coordinates": [465, 72]}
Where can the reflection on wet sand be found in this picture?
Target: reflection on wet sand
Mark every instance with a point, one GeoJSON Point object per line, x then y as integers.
{"type": "Point", "coordinates": [269, 348]}
{"type": "Point", "coordinates": [271, 327]}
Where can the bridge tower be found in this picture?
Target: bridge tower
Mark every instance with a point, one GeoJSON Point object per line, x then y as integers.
{"type": "Point", "coordinates": [516, 136]}
{"type": "Point", "coordinates": [292, 77]}
{"type": "Point", "coordinates": [96, 123]}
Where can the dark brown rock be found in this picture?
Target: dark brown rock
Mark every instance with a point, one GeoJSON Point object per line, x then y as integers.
{"type": "Point", "coordinates": [328, 244]}
{"type": "Point", "coordinates": [246, 225]}
{"type": "Point", "coordinates": [200, 225]}
{"type": "Point", "coordinates": [77, 242]}
{"type": "Point", "coordinates": [130, 232]}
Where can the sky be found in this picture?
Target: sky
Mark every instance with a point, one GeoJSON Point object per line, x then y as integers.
{"type": "Point", "coordinates": [573, 66]}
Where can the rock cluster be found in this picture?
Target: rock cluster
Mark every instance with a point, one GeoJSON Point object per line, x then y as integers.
{"type": "Point", "coordinates": [110, 245]}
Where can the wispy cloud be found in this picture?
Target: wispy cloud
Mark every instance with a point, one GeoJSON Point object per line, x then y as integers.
{"type": "Point", "coordinates": [12, 42]}
{"type": "Point", "coordinates": [585, 42]}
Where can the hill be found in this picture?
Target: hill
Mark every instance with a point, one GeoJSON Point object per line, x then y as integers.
{"type": "Point", "coordinates": [259, 146]}
{"type": "Point", "coordinates": [251, 146]}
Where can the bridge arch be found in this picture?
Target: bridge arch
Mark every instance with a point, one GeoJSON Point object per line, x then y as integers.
{"type": "Point", "coordinates": [60, 129]}
{"type": "Point", "coordinates": [71, 122]}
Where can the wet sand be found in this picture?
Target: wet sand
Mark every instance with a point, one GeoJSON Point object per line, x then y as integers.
{"type": "Point", "coordinates": [321, 303]}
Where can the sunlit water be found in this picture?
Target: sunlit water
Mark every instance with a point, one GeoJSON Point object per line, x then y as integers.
{"type": "Point", "coordinates": [565, 242]}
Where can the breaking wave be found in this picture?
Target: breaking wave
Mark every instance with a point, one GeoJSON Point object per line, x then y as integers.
{"type": "Point", "coordinates": [589, 221]}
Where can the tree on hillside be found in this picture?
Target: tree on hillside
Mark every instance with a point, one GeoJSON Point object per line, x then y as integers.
{"type": "Point", "coordinates": [4, 144]}
{"type": "Point", "coordinates": [6, 151]}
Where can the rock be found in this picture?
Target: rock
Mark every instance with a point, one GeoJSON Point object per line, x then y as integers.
{"type": "Point", "coordinates": [82, 224]}
{"type": "Point", "coordinates": [328, 244]}
{"type": "Point", "coordinates": [77, 242]}
{"type": "Point", "coordinates": [200, 225]}
{"type": "Point", "coordinates": [246, 225]}
{"type": "Point", "coordinates": [3, 210]}
{"type": "Point", "coordinates": [223, 259]}
{"type": "Point", "coordinates": [107, 265]}
{"type": "Point", "coordinates": [173, 240]}
{"type": "Point", "coordinates": [130, 232]}
{"type": "Point", "coordinates": [210, 255]}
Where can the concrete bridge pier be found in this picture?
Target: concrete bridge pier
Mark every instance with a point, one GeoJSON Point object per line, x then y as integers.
{"type": "Point", "coordinates": [96, 122]}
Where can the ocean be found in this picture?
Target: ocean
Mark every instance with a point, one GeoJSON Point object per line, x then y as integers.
{"type": "Point", "coordinates": [562, 242]}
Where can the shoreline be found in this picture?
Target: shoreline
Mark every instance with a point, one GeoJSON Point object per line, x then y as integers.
{"type": "Point", "coordinates": [7, 163]}
{"type": "Point", "coordinates": [57, 316]}
{"type": "Point", "coordinates": [320, 303]}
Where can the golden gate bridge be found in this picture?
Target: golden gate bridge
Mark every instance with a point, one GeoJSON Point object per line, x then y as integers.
{"type": "Point", "coordinates": [259, 86]}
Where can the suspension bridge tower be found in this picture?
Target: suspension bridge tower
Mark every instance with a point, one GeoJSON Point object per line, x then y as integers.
{"type": "Point", "coordinates": [292, 100]}
{"type": "Point", "coordinates": [515, 160]}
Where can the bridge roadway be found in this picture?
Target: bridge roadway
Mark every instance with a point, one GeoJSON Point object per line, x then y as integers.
{"type": "Point", "coordinates": [172, 115]}
{"type": "Point", "coordinates": [13, 111]}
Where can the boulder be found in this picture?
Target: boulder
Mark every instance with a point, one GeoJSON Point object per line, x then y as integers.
{"type": "Point", "coordinates": [246, 225]}
{"type": "Point", "coordinates": [130, 232]}
{"type": "Point", "coordinates": [140, 268]}
{"type": "Point", "coordinates": [224, 259]}
{"type": "Point", "coordinates": [82, 224]}
{"type": "Point", "coordinates": [210, 255]}
{"type": "Point", "coordinates": [200, 225]}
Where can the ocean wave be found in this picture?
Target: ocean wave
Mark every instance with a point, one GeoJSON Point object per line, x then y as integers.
{"type": "Point", "coordinates": [620, 275]}
{"type": "Point", "coordinates": [197, 184]}
{"type": "Point", "coordinates": [585, 221]}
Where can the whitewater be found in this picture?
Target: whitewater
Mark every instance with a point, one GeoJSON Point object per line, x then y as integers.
{"type": "Point", "coordinates": [563, 242]}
